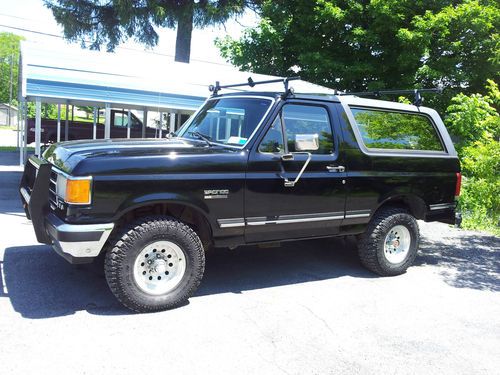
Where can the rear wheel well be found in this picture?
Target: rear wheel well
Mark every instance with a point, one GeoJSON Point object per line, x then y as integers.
{"type": "Point", "coordinates": [415, 205]}
{"type": "Point", "coordinates": [184, 213]}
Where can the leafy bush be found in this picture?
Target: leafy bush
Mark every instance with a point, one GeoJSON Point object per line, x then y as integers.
{"type": "Point", "coordinates": [480, 198]}
{"type": "Point", "coordinates": [475, 122]}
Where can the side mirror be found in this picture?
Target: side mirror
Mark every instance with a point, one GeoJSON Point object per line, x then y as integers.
{"type": "Point", "coordinates": [306, 142]}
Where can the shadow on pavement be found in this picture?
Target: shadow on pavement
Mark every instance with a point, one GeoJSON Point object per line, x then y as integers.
{"type": "Point", "coordinates": [465, 260]}
{"type": "Point", "coordinates": [40, 284]}
{"type": "Point", "coordinates": [9, 193]}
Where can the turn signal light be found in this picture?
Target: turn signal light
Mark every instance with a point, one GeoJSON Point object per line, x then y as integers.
{"type": "Point", "coordinates": [78, 191]}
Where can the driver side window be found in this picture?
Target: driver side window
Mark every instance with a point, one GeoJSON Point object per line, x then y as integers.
{"type": "Point", "coordinates": [299, 120]}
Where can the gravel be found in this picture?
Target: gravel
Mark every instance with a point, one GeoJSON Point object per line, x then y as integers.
{"type": "Point", "coordinates": [304, 308]}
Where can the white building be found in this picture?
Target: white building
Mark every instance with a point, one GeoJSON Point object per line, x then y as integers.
{"type": "Point", "coordinates": [7, 110]}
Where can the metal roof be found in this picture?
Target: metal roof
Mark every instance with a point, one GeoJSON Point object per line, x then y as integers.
{"type": "Point", "coordinates": [62, 73]}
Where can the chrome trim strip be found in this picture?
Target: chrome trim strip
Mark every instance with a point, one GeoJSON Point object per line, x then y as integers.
{"type": "Point", "coordinates": [353, 216]}
{"type": "Point", "coordinates": [441, 206]}
{"type": "Point", "coordinates": [231, 223]}
{"type": "Point", "coordinates": [291, 219]}
{"type": "Point", "coordinates": [25, 195]}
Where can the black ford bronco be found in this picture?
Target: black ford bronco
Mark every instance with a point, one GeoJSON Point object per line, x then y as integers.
{"type": "Point", "coordinates": [246, 168]}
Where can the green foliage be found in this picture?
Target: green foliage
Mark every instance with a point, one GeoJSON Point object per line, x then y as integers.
{"type": "Point", "coordinates": [358, 45]}
{"type": "Point", "coordinates": [112, 22]}
{"type": "Point", "coordinates": [480, 198]}
{"type": "Point", "coordinates": [472, 118]}
{"type": "Point", "coordinates": [48, 111]}
{"type": "Point", "coordinates": [9, 51]}
{"type": "Point", "coordinates": [475, 122]}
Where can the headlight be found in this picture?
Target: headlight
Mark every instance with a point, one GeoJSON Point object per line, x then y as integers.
{"type": "Point", "coordinates": [74, 190]}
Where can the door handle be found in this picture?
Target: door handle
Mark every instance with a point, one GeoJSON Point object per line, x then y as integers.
{"type": "Point", "coordinates": [333, 168]}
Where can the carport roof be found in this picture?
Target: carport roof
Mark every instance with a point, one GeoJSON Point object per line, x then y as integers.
{"type": "Point", "coordinates": [67, 74]}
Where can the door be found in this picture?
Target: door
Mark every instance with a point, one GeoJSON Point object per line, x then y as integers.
{"type": "Point", "coordinates": [281, 203]}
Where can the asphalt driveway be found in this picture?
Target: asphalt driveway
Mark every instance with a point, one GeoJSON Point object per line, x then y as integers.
{"type": "Point", "coordinates": [303, 308]}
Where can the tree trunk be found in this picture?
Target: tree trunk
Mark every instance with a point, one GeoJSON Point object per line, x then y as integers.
{"type": "Point", "coordinates": [183, 41]}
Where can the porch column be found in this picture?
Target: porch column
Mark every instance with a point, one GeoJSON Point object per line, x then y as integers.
{"type": "Point", "coordinates": [58, 122]}
{"type": "Point", "coordinates": [94, 125]}
{"type": "Point", "coordinates": [129, 120]}
{"type": "Point", "coordinates": [38, 125]}
{"type": "Point", "coordinates": [144, 123]}
{"type": "Point", "coordinates": [20, 137]}
{"type": "Point", "coordinates": [66, 123]}
{"type": "Point", "coordinates": [171, 125]}
{"type": "Point", "coordinates": [107, 121]}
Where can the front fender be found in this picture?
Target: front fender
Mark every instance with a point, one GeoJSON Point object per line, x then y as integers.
{"type": "Point", "coordinates": [162, 198]}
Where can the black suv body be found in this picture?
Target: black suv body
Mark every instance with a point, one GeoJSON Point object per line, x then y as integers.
{"type": "Point", "coordinates": [246, 168]}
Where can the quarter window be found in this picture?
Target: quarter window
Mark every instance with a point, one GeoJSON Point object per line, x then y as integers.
{"type": "Point", "coordinates": [396, 130]}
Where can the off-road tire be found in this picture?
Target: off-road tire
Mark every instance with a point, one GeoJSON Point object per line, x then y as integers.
{"type": "Point", "coordinates": [371, 243]}
{"type": "Point", "coordinates": [127, 243]}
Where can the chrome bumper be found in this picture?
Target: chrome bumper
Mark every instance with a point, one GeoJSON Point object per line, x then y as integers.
{"type": "Point", "coordinates": [77, 243]}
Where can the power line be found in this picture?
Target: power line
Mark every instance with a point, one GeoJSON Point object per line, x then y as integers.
{"type": "Point", "coordinates": [121, 48]}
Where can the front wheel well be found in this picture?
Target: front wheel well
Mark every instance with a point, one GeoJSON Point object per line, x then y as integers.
{"type": "Point", "coordinates": [415, 205]}
{"type": "Point", "coordinates": [188, 215]}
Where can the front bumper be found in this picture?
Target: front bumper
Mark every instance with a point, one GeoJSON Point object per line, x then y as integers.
{"type": "Point", "coordinates": [77, 243]}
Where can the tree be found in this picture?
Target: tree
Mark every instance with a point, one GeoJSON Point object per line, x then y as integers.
{"type": "Point", "coordinates": [114, 21]}
{"type": "Point", "coordinates": [361, 45]}
{"type": "Point", "coordinates": [9, 65]}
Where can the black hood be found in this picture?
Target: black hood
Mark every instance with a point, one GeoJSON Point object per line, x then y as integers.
{"type": "Point", "coordinates": [68, 155]}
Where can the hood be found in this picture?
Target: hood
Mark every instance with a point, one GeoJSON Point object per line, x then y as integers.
{"type": "Point", "coordinates": [68, 155]}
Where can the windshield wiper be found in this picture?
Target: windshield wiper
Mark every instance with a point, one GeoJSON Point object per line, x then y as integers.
{"type": "Point", "coordinates": [202, 136]}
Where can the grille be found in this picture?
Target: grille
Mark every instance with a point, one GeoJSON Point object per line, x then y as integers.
{"type": "Point", "coordinates": [52, 190]}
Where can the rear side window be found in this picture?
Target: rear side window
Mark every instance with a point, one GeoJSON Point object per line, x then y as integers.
{"type": "Point", "coordinates": [396, 130]}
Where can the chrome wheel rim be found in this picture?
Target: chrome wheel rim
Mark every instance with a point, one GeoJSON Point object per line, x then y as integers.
{"type": "Point", "coordinates": [397, 244]}
{"type": "Point", "coordinates": [159, 267]}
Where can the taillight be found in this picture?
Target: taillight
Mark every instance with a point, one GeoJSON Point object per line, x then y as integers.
{"type": "Point", "coordinates": [458, 185]}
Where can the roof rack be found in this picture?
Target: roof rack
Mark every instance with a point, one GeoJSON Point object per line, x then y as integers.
{"type": "Point", "coordinates": [417, 92]}
{"type": "Point", "coordinates": [250, 82]}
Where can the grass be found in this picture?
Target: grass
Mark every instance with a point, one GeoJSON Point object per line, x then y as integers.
{"type": "Point", "coordinates": [6, 127]}
{"type": "Point", "coordinates": [14, 148]}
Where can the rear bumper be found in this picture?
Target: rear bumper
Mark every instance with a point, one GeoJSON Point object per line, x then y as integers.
{"type": "Point", "coordinates": [77, 243]}
{"type": "Point", "coordinates": [443, 212]}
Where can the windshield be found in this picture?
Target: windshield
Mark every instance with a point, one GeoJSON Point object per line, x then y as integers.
{"type": "Point", "coordinates": [230, 121]}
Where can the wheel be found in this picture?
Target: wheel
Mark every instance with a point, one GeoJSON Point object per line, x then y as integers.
{"type": "Point", "coordinates": [389, 245]}
{"type": "Point", "coordinates": [155, 263]}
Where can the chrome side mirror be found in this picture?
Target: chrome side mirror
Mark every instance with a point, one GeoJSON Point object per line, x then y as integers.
{"type": "Point", "coordinates": [306, 142]}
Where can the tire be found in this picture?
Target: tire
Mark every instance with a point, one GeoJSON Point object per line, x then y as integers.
{"type": "Point", "coordinates": [390, 243]}
{"type": "Point", "coordinates": [155, 263]}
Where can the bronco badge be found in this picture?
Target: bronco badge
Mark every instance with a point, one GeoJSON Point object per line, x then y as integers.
{"type": "Point", "coordinates": [216, 193]}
